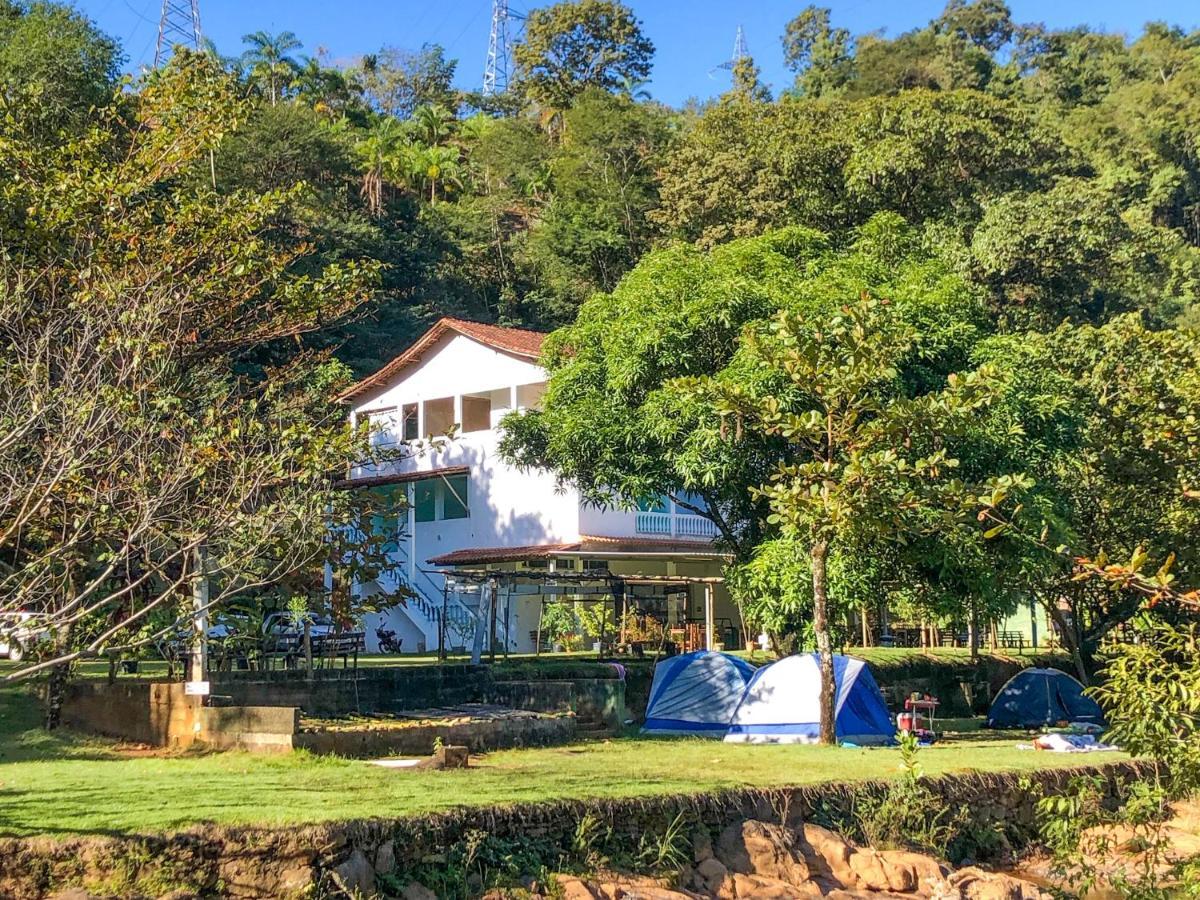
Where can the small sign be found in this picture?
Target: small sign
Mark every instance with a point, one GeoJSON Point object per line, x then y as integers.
{"type": "Point", "coordinates": [197, 688]}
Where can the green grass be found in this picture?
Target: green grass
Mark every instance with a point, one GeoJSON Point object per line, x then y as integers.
{"type": "Point", "coordinates": [67, 784]}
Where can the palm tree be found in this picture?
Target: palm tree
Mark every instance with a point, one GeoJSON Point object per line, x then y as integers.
{"type": "Point", "coordinates": [440, 165]}
{"type": "Point", "coordinates": [381, 158]}
{"type": "Point", "coordinates": [635, 88]}
{"type": "Point", "coordinates": [433, 123]}
{"type": "Point", "coordinates": [267, 60]}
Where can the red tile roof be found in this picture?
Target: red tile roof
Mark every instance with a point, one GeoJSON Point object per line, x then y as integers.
{"type": "Point", "coordinates": [517, 341]}
{"type": "Point", "coordinates": [587, 544]}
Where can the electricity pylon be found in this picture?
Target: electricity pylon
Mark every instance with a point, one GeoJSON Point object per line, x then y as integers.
{"type": "Point", "coordinates": [179, 24]}
{"type": "Point", "coordinates": [740, 52]}
{"type": "Point", "coordinates": [495, 73]}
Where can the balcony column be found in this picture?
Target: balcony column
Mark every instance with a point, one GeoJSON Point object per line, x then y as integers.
{"type": "Point", "coordinates": [708, 615]}
{"type": "Point", "coordinates": [458, 416]}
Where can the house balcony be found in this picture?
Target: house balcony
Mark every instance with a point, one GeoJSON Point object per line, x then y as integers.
{"type": "Point", "coordinates": [660, 524]}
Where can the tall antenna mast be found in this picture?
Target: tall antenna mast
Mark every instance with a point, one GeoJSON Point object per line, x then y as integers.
{"type": "Point", "coordinates": [178, 24]}
{"type": "Point", "coordinates": [495, 73]}
{"type": "Point", "coordinates": [740, 51]}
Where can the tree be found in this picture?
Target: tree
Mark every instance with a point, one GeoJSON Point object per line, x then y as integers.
{"type": "Point", "coordinates": [396, 82]}
{"type": "Point", "coordinates": [580, 43]}
{"type": "Point", "coordinates": [617, 422]}
{"type": "Point", "coordinates": [1106, 420]}
{"type": "Point", "coordinates": [267, 62]}
{"type": "Point", "coordinates": [54, 67]}
{"type": "Point", "coordinates": [152, 434]}
{"type": "Point", "coordinates": [820, 55]}
{"type": "Point", "coordinates": [862, 453]}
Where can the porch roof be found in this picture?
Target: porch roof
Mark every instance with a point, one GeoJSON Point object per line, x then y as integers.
{"type": "Point", "coordinates": [587, 545]}
{"type": "Point", "coordinates": [403, 478]}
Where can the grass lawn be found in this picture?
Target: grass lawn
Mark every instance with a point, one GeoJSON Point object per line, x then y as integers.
{"type": "Point", "coordinates": [67, 784]}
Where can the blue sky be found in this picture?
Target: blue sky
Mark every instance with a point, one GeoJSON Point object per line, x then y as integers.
{"type": "Point", "coordinates": [691, 36]}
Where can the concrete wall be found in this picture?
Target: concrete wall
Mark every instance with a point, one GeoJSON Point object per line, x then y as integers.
{"type": "Point", "coordinates": [162, 715]}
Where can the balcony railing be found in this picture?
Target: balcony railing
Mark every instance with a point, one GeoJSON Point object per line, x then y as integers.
{"type": "Point", "coordinates": [669, 525]}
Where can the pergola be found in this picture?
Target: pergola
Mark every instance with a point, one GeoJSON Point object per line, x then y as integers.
{"type": "Point", "coordinates": [582, 587]}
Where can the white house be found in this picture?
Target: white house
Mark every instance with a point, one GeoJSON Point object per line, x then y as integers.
{"type": "Point", "coordinates": [473, 521]}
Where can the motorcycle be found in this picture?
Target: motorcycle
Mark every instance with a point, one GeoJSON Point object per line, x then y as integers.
{"type": "Point", "coordinates": [388, 642]}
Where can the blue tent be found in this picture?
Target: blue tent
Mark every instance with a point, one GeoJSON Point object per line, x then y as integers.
{"type": "Point", "coordinates": [1036, 697]}
{"type": "Point", "coordinates": [696, 693]}
{"type": "Point", "coordinates": [782, 704]}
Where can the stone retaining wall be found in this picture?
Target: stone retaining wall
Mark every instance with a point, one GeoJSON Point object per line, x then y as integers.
{"type": "Point", "coordinates": [330, 860]}
{"type": "Point", "coordinates": [418, 739]}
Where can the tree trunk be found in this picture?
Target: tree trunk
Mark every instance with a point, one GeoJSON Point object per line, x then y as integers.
{"type": "Point", "coordinates": [866, 626]}
{"type": "Point", "coordinates": [820, 553]}
{"type": "Point", "coordinates": [308, 655]}
{"type": "Point", "coordinates": [973, 632]}
{"type": "Point", "coordinates": [1071, 638]}
{"type": "Point", "coordinates": [60, 676]}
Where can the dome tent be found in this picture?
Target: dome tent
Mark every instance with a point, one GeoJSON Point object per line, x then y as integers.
{"type": "Point", "coordinates": [696, 693]}
{"type": "Point", "coordinates": [1036, 697]}
{"type": "Point", "coordinates": [782, 704]}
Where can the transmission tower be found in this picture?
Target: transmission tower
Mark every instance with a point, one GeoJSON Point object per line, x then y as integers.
{"type": "Point", "coordinates": [178, 24]}
{"type": "Point", "coordinates": [740, 52]}
{"type": "Point", "coordinates": [495, 73]}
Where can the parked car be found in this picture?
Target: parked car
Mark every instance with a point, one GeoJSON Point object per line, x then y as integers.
{"type": "Point", "coordinates": [283, 634]}
{"type": "Point", "coordinates": [20, 632]}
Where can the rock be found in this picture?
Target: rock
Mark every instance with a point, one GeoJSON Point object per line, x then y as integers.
{"type": "Point", "coordinates": [356, 875]}
{"type": "Point", "coordinates": [571, 888]}
{"type": "Point", "coordinates": [828, 856]}
{"type": "Point", "coordinates": [976, 884]}
{"type": "Point", "coordinates": [385, 858]}
{"type": "Point", "coordinates": [709, 874]}
{"type": "Point", "coordinates": [447, 757]}
{"type": "Point", "coordinates": [908, 872]}
{"type": "Point", "coordinates": [701, 845]}
{"type": "Point", "coordinates": [757, 848]}
{"type": "Point", "coordinates": [180, 894]}
{"type": "Point", "coordinates": [862, 894]}
{"type": "Point", "coordinates": [870, 870]}
{"type": "Point", "coordinates": [75, 893]}
{"type": "Point", "coordinates": [414, 890]}
{"type": "Point", "coordinates": [760, 888]}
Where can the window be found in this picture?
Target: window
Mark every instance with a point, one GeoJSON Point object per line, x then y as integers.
{"type": "Point", "coordinates": [454, 497]}
{"type": "Point", "coordinates": [436, 499]}
{"type": "Point", "coordinates": [659, 504]}
{"type": "Point", "coordinates": [439, 415]}
{"type": "Point", "coordinates": [476, 412]}
{"type": "Point", "coordinates": [425, 500]}
{"type": "Point", "coordinates": [382, 423]}
{"type": "Point", "coordinates": [410, 427]}
{"type": "Point", "coordinates": [596, 566]}
{"type": "Point", "coordinates": [529, 396]}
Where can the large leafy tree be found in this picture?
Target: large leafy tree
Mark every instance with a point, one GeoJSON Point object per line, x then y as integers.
{"type": "Point", "coordinates": [577, 44]}
{"type": "Point", "coordinates": [1104, 420]}
{"type": "Point", "coordinates": [397, 82]}
{"type": "Point", "coordinates": [154, 431]}
{"type": "Point", "coordinates": [55, 66]}
{"type": "Point", "coordinates": [861, 453]}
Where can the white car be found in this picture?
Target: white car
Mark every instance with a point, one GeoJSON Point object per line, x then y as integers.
{"type": "Point", "coordinates": [19, 632]}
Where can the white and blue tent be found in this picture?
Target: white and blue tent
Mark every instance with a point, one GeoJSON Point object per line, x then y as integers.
{"type": "Point", "coordinates": [696, 693]}
{"type": "Point", "coordinates": [782, 704]}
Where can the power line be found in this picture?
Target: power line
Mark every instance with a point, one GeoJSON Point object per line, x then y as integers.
{"type": "Point", "coordinates": [496, 71]}
{"type": "Point", "coordinates": [179, 25]}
